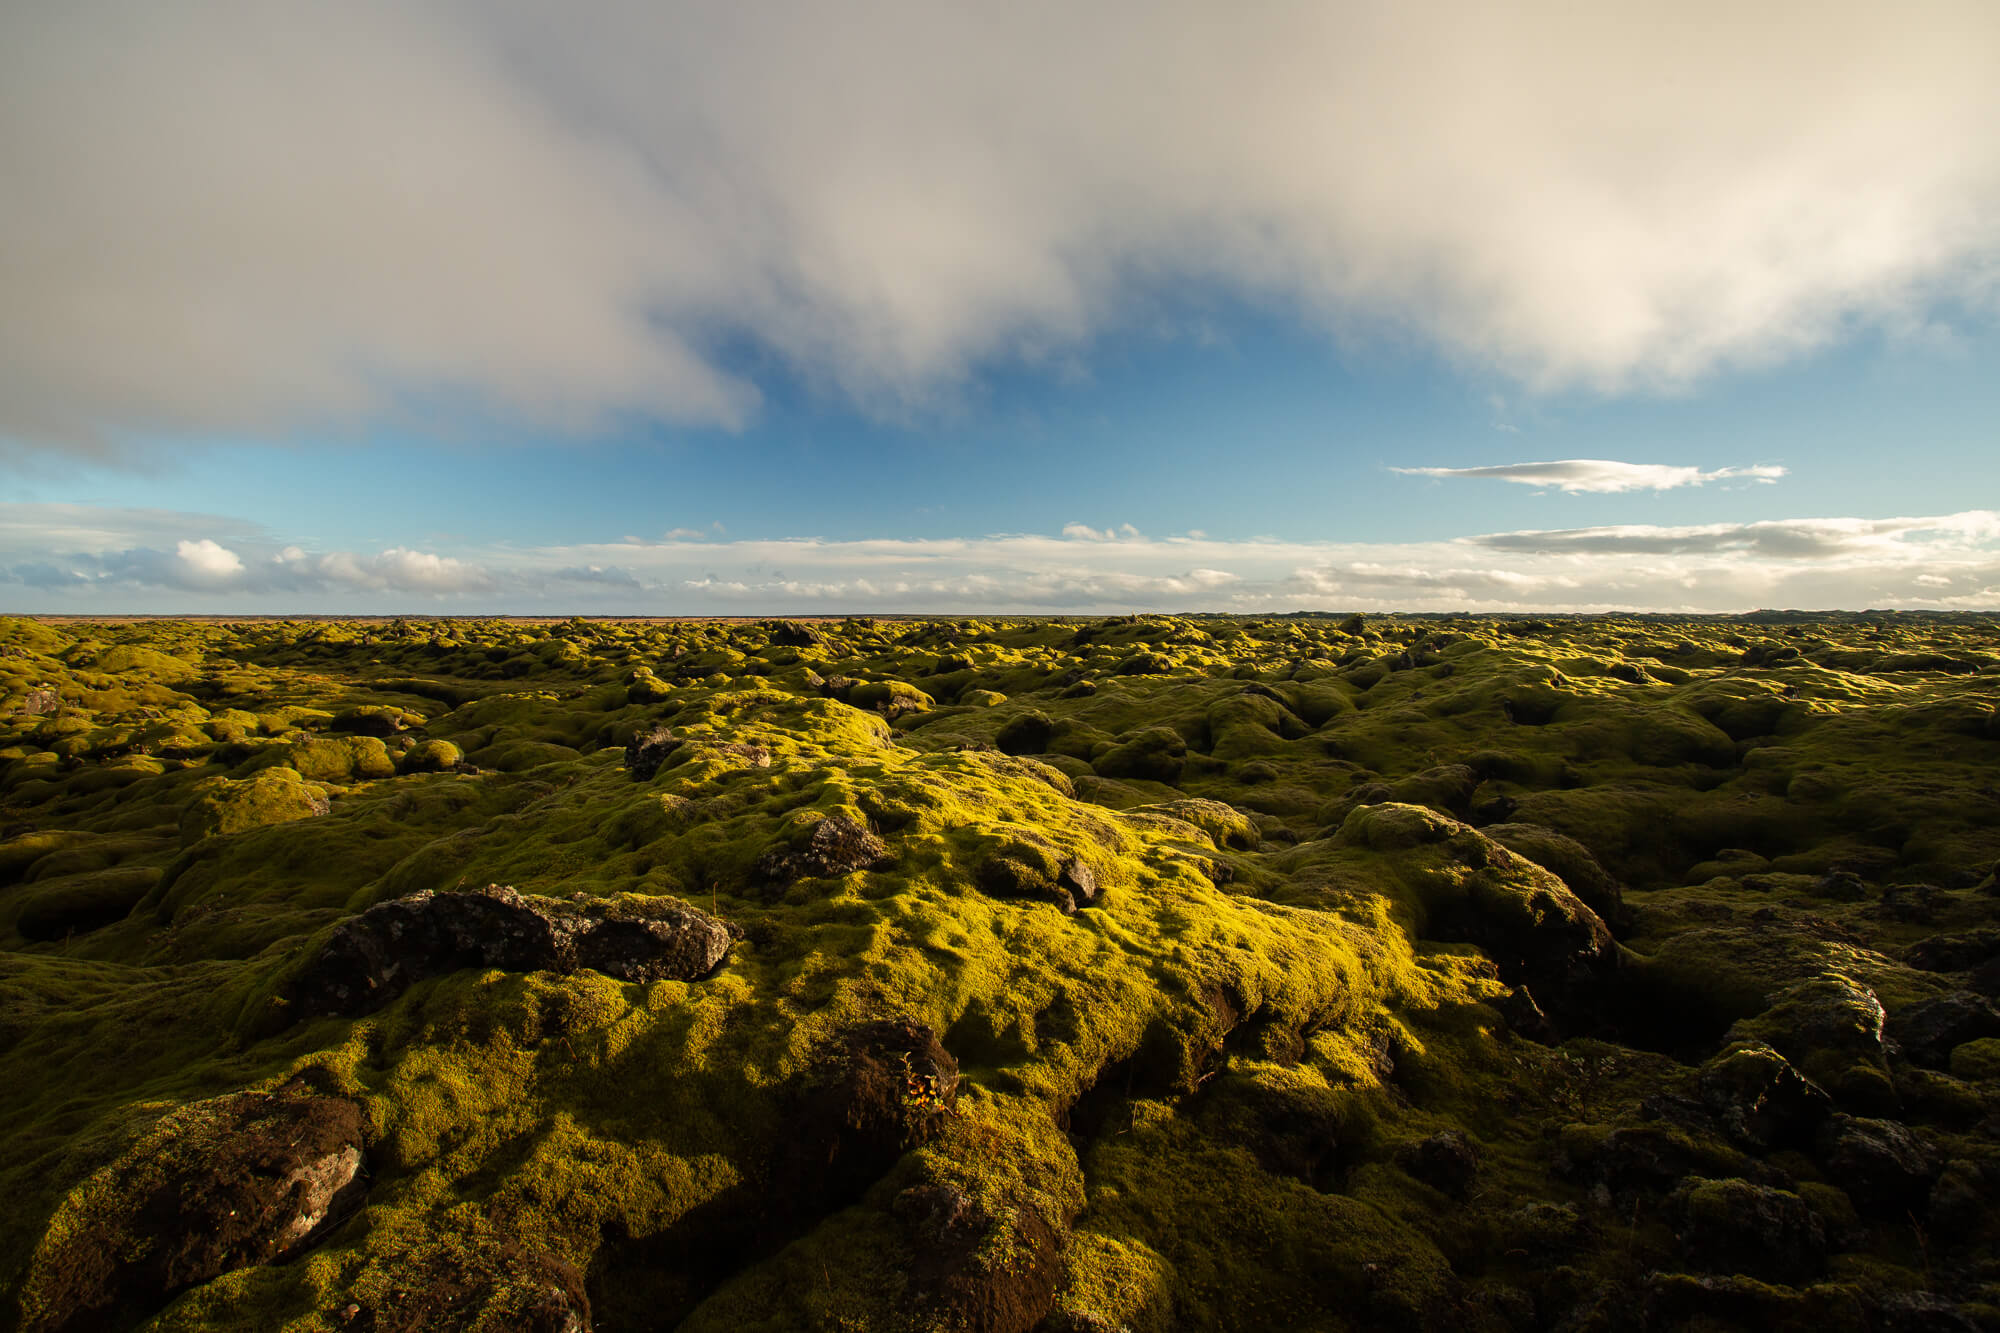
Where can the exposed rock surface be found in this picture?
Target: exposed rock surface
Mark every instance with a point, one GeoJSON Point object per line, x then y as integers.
{"type": "Point", "coordinates": [836, 845]}
{"type": "Point", "coordinates": [1732, 1226]}
{"type": "Point", "coordinates": [1445, 1161]}
{"type": "Point", "coordinates": [1760, 1099]}
{"type": "Point", "coordinates": [1927, 1031]}
{"type": "Point", "coordinates": [238, 1180]}
{"type": "Point", "coordinates": [1881, 1163]}
{"type": "Point", "coordinates": [647, 750]}
{"type": "Point", "coordinates": [374, 957]}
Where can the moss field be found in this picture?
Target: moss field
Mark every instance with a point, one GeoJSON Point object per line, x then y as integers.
{"type": "Point", "coordinates": [1193, 1104]}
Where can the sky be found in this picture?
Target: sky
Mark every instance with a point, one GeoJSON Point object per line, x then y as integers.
{"type": "Point", "coordinates": [484, 306]}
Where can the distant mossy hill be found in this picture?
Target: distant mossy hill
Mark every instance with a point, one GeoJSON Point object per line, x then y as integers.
{"type": "Point", "coordinates": [1151, 973]}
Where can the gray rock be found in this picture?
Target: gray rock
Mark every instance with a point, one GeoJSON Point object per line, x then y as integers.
{"type": "Point", "coordinates": [374, 957]}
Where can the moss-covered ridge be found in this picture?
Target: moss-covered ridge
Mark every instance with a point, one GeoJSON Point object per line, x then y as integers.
{"type": "Point", "coordinates": [1185, 1098]}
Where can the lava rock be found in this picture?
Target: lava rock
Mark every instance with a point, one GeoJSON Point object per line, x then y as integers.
{"type": "Point", "coordinates": [1760, 1099]}
{"type": "Point", "coordinates": [1880, 1163]}
{"type": "Point", "coordinates": [1832, 1028]}
{"type": "Point", "coordinates": [244, 1179]}
{"type": "Point", "coordinates": [1010, 877]}
{"type": "Point", "coordinates": [792, 634]}
{"type": "Point", "coordinates": [1733, 1226]}
{"type": "Point", "coordinates": [1928, 1031]}
{"type": "Point", "coordinates": [1909, 902]}
{"type": "Point", "coordinates": [877, 1090]}
{"type": "Point", "coordinates": [1954, 953]}
{"type": "Point", "coordinates": [1446, 1161]}
{"type": "Point", "coordinates": [955, 1283]}
{"type": "Point", "coordinates": [1840, 886]}
{"type": "Point", "coordinates": [1525, 1017]}
{"type": "Point", "coordinates": [837, 845]}
{"type": "Point", "coordinates": [374, 957]}
{"type": "Point", "coordinates": [647, 750]}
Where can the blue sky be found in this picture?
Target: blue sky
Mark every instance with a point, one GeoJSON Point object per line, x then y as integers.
{"type": "Point", "coordinates": [900, 312]}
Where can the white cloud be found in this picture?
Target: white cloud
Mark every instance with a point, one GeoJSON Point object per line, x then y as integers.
{"type": "Point", "coordinates": [255, 216]}
{"type": "Point", "coordinates": [1945, 560]}
{"type": "Point", "coordinates": [1602, 475]}
{"type": "Point", "coordinates": [208, 562]}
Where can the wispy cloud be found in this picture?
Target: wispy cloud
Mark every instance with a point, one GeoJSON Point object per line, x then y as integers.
{"type": "Point", "coordinates": [219, 226]}
{"type": "Point", "coordinates": [1603, 476]}
{"type": "Point", "coordinates": [1946, 560]}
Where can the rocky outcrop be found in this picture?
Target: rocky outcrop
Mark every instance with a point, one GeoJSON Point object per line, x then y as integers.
{"type": "Point", "coordinates": [1760, 1100]}
{"type": "Point", "coordinates": [243, 1179]}
{"type": "Point", "coordinates": [878, 1090]}
{"type": "Point", "coordinates": [1733, 1226]}
{"type": "Point", "coordinates": [1881, 1163]}
{"type": "Point", "coordinates": [647, 750]}
{"type": "Point", "coordinates": [834, 846]}
{"type": "Point", "coordinates": [1928, 1031]}
{"type": "Point", "coordinates": [376, 956]}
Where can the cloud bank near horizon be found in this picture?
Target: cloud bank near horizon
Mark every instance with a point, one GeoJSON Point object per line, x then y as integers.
{"type": "Point", "coordinates": [133, 560]}
{"type": "Point", "coordinates": [1602, 476]}
{"type": "Point", "coordinates": [264, 217]}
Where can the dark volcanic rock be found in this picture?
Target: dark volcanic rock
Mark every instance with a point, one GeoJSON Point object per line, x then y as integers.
{"type": "Point", "coordinates": [1840, 886]}
{"type": "Point", "coordinates": [647, 750]}
{"type": "Point", "coordinates": [879, 1090]}
{"type": "Point", "coordinates": [1760, 1100]}
{"type": "Point", "coordinates": [1525, 1017]}
{"type": "Point", "coordinates": [953, 1280]}
{"type": "Point", "coordinates": [1954, 953]}
{"type": "Point", "coordinates": [1928, 1031]}
{"type": "Point", "coordinates": [374, 957]}
{"type": "Point", "coordinates": [1445, 1161]}
{"type": "Point", "coordinates": [792, 634]}
{"type": "Point", "coordinates": [1884, 1166]}
{"type": "Point", "coordinates": [222, 1184]}
{"type": "Point", "coordinates": [1078, 880]}
{"type": "Point", "coordinates": [837, 845]}
{"type": "Point", "coordinates": [1733, 1226]}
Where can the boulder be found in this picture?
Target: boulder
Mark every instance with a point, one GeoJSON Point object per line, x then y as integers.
{"type": "Point", "coordinates": [831, 847]}
{"type": "Point", "coordinates": [877, 1090]}
{"type": "Point", "coordinates": [1880, 1163]}
{"type": "Point", "coordinates": [1733, 1226]}
{"type": "Point", "coordinates": [1760, 1100]}
{"type": "Point", "coordinates": [1927, 1031]}
{"type": "Point", "coordinates": [955, 1240]}
{"type": "Point", "coordinates": [1830, 1027]}
{"type": "Point", "coordinates": [1446, 1161]}
{"type": "Point", "coordinates": [1072, 885]}
{"type": "Point", "coordinates": [244, 1179]}
{"type": "Point", "coordinates": [1954, 953]}
{"type": "Point", "coordinates": [374, 957]}
{"type": "Point", "coordinates": [648, 750]}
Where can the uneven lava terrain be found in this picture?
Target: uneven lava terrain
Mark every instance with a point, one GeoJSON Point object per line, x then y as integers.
{"type": "Point", "coordinates": [1142, 974]}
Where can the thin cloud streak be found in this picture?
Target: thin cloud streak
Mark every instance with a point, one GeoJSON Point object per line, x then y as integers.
{"type": "Point", "coordinates": [264, 217]}
{"type": "Point", "coordinates": [1602, 476]}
